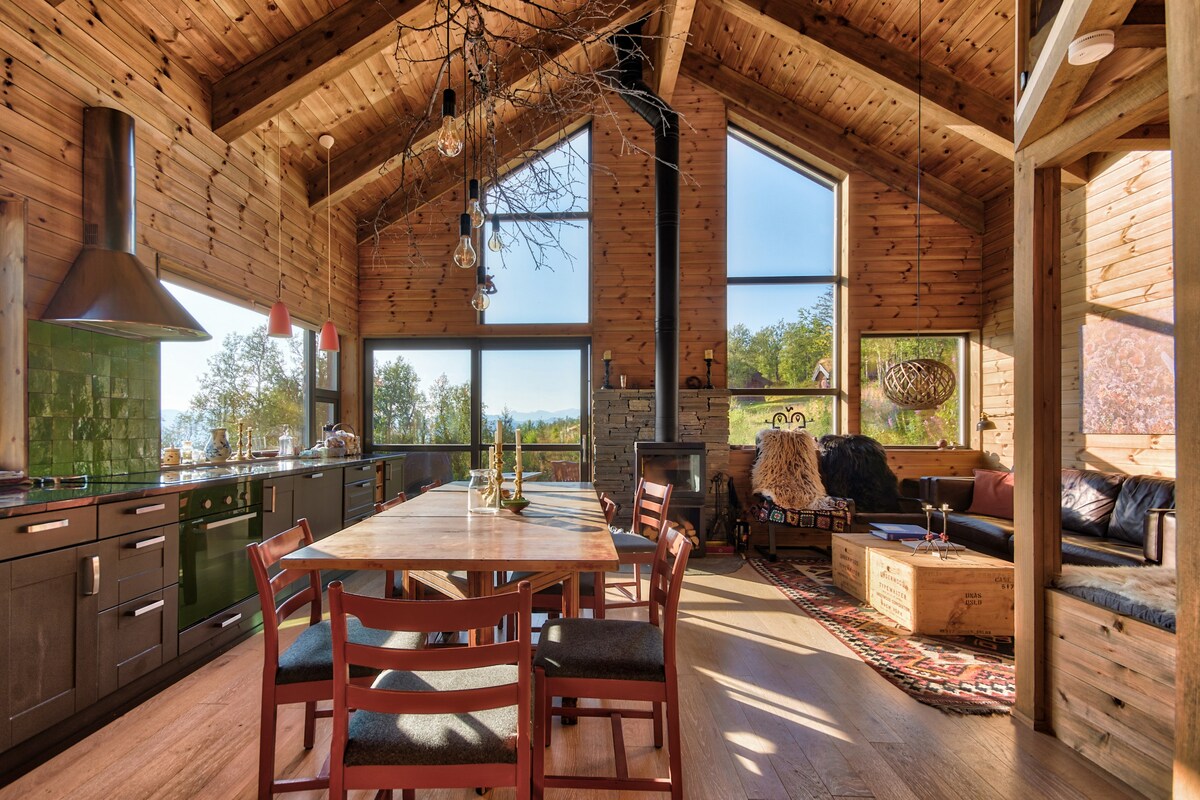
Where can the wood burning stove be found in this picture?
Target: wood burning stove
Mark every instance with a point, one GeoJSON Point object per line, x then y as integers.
{"type": "Point", "coordinates": [681, 466]}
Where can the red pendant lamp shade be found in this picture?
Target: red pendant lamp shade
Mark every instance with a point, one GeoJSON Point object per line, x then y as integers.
{"type": "Point", "coordinates": [329, 337]}
{"type": "Point", "coordinates": [279, 323]}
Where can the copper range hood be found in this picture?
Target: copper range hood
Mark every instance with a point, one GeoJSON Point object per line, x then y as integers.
{"type": "Point", "coordinates": [107, 289]}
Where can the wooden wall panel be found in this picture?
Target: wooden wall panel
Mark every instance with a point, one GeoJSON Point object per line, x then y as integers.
{"type": "Point", "coordinates": [1117, 260]}
{"type": "Point", "coordinates": [210, 208]}
{"type": "Point", "coordinates": [882, 272]}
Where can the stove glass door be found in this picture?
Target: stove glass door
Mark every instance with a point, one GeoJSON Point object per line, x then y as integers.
{"type": "Point", "coordinates": [214, 568]}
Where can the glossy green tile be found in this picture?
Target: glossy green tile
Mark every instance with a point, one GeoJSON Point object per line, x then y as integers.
{"type": "Point", "coordinates": [39, 333]}
{"type": "Point", "coordinates": [60, 336]}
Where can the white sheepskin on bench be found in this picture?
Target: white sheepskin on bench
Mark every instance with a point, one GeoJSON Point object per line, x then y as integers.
{"type": "Point", "coordinates": [1153, 586]}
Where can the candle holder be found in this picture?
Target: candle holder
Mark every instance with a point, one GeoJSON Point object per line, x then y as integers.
{"type": "Point", "coordinates": [607, 364]}
{"type": "Point", "coordinates": [708, 373]}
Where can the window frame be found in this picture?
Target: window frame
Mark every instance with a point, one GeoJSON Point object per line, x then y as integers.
{"type": "Point", "coordinates": [834, 279]}
{"type": "Point", "coordinates": [546, 216]}
{"type": "Point", "coordinates": [965, 384]}
{"type": "Point", "coordinates": [314, 395]}
{"type": "Point", "coordinates": [476, 346]}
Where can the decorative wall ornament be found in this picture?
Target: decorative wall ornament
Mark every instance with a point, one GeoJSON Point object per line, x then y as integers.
{"type": "Point", "coordinates": [1128, 374]}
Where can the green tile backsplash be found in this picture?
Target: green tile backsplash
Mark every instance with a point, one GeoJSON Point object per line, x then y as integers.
{"type": "Point", "coordinates": [93, 402]}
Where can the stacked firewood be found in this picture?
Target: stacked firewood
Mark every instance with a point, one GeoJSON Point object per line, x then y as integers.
{"type": "Point", "coordinates": [683, 526]}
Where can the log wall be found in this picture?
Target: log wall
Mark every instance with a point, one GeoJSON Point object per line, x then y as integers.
{"type": "Point", "coordinates": [1117, 262]}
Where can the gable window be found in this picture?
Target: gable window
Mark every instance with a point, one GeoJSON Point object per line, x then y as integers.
{"type": "Point", "coordinates": [542, 273]}
{"type": "Point", "coordinates": [882, 420]}
{"type": "Point", "coordinates": [782, 289]}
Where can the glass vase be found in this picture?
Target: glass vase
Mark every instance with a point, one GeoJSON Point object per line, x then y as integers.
{"type": "Point", "coordinates": [479, 499]}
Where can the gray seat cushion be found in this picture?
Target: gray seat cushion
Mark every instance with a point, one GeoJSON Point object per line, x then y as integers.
{"type": "Point", "coordinates": [627, 542]}
{"type": "Point", "coordinates": [601, 648]}
{"type": "Point", "coordinates": [1124, 605]}
{"type": "Point", "coordinates": [310, 657]}
{"type": "Point", "coordinates": [488, 736]}
{"type": "Point", "coordinates": [1091, 551]}
{"type": "Point", "coordinates": [587, 582]}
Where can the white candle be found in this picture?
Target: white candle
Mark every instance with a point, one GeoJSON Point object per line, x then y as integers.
{"type": "Point", "coordinates": [518, 435]}
{"type": "Point", "coordinates": [607, 355]}
{"type": "Point", "coordinates": [499, 436]}
{"type": "Point", "coordinates": [708, 355]}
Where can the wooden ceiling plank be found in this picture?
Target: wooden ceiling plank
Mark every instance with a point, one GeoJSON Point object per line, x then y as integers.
{"type": "Point", "coordinates": [1136, 102]}
{"type": "Point", "coordinates": [1142, 36]}
{"type": "Point", "coordinates": [964, 109]}
{"type": "Point", "coordinates": [832, 143]}
{"type": "Point", "coordinates": [1054, 84]}
{"type": "Point", "coordinates": [298, 66]}
{"type": "Point", "coordinates": [367, 159]}
{"type": "Point", "coordinates": [676, 23]}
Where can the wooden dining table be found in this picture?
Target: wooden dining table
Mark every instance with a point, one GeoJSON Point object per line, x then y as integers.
{"type": "Point", "coordinates": [560, 535]}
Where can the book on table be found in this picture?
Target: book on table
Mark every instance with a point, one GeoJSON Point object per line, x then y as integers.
{"type": "Point", "coordinates": [896, 531]}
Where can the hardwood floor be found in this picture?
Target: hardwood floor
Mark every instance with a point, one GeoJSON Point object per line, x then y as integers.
{"type": "Point", "coordinates": [773, 707]}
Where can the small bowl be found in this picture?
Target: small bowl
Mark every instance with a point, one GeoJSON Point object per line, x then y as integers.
{"type": "Point", "coordinates": [515, 504]}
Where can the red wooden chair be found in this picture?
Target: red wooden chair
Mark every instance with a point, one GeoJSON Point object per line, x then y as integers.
{"type": "Point", "coordinates": [651, 504]}
{"type": "Point", "coordinates": [389, 577]}
{"type": "Point", "coordinates": [450, 717]}
{"type": "Point", "coordinates": [620, 660]}
{"type": "Point", "coordinates": [303, 673]}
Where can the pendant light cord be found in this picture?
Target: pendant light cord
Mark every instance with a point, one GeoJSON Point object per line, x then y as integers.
{"type": "Point", "coordinates": [279, 167]}
{"type": "Point", "coordinates": [329, 236]}
{"type": "Point", "coordinates": [920, 76]}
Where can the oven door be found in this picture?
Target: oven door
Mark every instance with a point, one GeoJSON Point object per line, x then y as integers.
{"type": "Point", "coordinates": [214, 568]}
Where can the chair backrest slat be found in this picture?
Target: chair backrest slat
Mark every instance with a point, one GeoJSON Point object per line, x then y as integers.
{"type": "Point", "coordinates": [442, 658]}
{"type": "Point", "coordinates": [610, 507]}
{"type": "Point", "coordinates": [462, 701]}
{"type": "Point", "coordinates": [651, 505]}
{"type": "Point", "coordinates": [426, 615]}
{"type": "Point", "coordinates": [263, 557]}
{"type": "Point", "coordinates": [400, 497]}
{"type": "Point", "coordinates": [666, 582]}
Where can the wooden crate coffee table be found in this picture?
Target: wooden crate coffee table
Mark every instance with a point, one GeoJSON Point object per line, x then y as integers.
{"type": "Point", "coordinates": [851, 555]}
{"type": "Point", "coordinates": [965, 594]}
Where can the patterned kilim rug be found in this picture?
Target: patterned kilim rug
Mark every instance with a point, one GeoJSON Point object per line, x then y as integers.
{"type": "Point", "coordinates": [959, 674]}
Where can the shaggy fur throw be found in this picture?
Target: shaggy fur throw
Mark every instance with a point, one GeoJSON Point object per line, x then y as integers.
{"type": "Point", "coordinates": [786, 469]}
{"type": "Point", "coordinates": [1153, 587]}
{"type": "Point", "coordinates": [857, 467]}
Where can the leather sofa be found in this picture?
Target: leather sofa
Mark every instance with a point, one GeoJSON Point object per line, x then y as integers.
{"type": "Point", "coordinates": [1108, 519]}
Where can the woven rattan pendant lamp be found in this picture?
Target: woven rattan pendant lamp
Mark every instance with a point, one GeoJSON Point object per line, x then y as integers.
{"type": "Point", "coordinates": [919, 384]}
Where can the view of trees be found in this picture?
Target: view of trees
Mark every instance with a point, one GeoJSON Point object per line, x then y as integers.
{"type": "Point", "coordinates": [798, 354]}
{"type": "Point", "coordinates": [253, 379]}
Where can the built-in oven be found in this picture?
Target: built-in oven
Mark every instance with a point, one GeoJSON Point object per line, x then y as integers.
{"type": "Point", "coordinates": [216, 524]}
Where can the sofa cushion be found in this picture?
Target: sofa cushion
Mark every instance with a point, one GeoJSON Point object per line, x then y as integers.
{"type": "Point", "coordinates": [993, 494]}
{"type": "Point", "coordinates": [1139, 494]}
{"type": "Point", "coordinates": [1088, 498]}
{"type": "Point", "coordinates": [1099, 552]}
{"type": "Point", "coordinates": [989, 535]}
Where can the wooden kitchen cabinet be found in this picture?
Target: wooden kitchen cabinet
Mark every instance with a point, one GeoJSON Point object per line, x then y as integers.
{"type": "Point", "coordinates": [393, 477]}
{"type": "Point", "coordinates": [49, 605]}
{"type": "Point", "coordinates": [317, 497]}
{"type": "Point", "coordinates": [278, 505]}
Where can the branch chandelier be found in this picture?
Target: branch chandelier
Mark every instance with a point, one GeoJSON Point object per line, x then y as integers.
{"type": "Point", "coordinates": [509, 75]}
{"type": "Point", "coordinates": [919, 384]}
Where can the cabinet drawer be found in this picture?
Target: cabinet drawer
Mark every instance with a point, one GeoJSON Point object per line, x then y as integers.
{"type": "Point", "coordinates": [222, 628]}
{"type": "Point", "coordinates": [36, 533]}
{"type": "Point", "coordinates": [359, 472]}
{"type": "Point", "coordinates": [278, 513]}
{"type": "Point", "coordinates": [138, 563]}
{"type": "Point", "coordinates": [318, 498]}
{"type": "Point", "coordinates": [126, 516]}
{"type": "Point", "coordinates": [359, 496]}
{"type": "Point", "coordinates": [137, 637]}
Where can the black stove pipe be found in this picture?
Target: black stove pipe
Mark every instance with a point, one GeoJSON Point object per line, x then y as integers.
{"type": "Point", "coordinates": [664, 121]}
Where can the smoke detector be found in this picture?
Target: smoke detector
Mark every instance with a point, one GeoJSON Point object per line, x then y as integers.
{"type": "Point", "coordinates": [1091, 47]}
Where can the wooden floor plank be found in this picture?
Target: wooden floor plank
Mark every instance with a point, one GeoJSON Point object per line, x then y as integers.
{"type": "Point", "coordinates": [774, 708]}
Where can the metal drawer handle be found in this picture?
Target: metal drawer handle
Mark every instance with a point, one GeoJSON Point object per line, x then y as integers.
{"type": "Point", "coordinates": [367, 482]}
{"type": "Point", "coordinates": [148, 542]}
{"type": "Point", "coordinates": [208, 526]}
{"type": "Point", "coordinates": [47, 526]}
{"type": "Point", "coordinates": [226, 623]}
{"type": "Point", "coordinates": [149, 509]}
{"type": "Point", "coordinates": [146, 609]}
{"type": "Point", "coordinates": [271, 510]}
{"type": "Point", "coordinates": [315, 475]}
{"type": "Point", "coordinates": [91, 579]}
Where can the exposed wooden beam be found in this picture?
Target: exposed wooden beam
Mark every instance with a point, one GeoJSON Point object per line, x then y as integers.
{"type": "Point", "coordinates": [1142, 36]}
{"type": "Point", "coordinates": [369, 159]}
{"type": "Point", "coordinates": [676, 22]}
{"type": "Point", "coordinates": [1037, 423]}
{"type": "Point", "coordinates": [1054, 85]}
{"type": "Point", "coordinates": [537, 133]}
{"type": "Point", "coordinates": [1133, 103]}
{"type": "Point", "coordinates": [1143, 137]}
{"type": "Point", "coordinates": [830, 141]}
{"type": "Point", "coordinates": [298, 66]}
{"type": "Point", "coordinates": [1183, 21]}
{"type": "Point", "coordinates": [951, 103]}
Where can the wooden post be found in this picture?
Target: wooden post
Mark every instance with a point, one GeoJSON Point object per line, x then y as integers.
{"type": "Point", "coordinates": [1183, 21]}
{"type": "Point", "coordinates": [14, 428]}
{"type": "Point", "coordinates": [1037, 425]}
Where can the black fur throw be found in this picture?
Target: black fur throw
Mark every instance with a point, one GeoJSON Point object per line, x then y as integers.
{"type": "Point", "coordinates": [856, 467]}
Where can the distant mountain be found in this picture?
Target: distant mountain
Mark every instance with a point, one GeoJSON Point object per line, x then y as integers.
{"type": "Point", "coordinates": [520, 417]}
{"type": "Point", "coordinates": [169, 415]}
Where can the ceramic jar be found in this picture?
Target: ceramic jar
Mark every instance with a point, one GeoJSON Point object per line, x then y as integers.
{"type": "Point", "coordinates": [218, 449]}
{"type": "Point", "coordinates": [170, 457]}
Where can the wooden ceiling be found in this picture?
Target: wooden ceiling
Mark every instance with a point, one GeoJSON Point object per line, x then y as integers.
{"type": "Point", "coordinates": [840, 75]}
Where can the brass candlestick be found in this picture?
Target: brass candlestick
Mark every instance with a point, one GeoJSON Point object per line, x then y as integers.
{"type": "Point", "coordinates": [241, 430]}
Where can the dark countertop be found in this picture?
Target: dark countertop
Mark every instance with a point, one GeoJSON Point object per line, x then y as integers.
{"type": "Point", "coordinates": [31, 500]}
